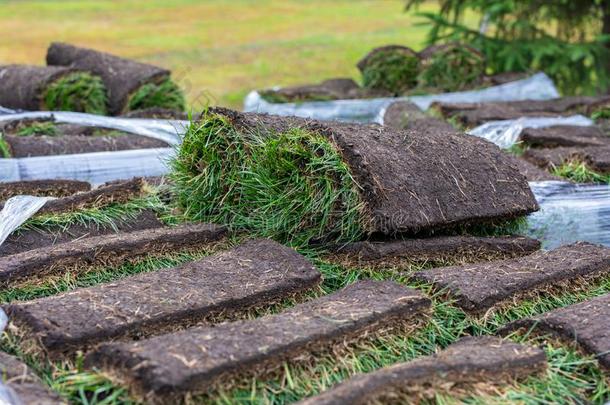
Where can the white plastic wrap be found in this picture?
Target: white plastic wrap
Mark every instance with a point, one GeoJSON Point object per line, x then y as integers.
{"type": "Point", "coordinates": [6, 111]}
{"type": "Point", "coordinates": [96, 168]}
{"type": "Point", "coordinates": [536, 87]}
{"type": "Point", "coordinates": [168, 131]}
{"type": "Point", "coordinates": [569, 213]}
{"type": "Point", "coordinates": [506, 132]}
{"type": "Point", "coordinates": [8, 396]}
{"type": "Point", "coordinates": [16, 211]}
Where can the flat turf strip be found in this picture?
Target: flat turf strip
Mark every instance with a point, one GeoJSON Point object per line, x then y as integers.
{"type": "Point", "coordinates": [479, 287]}
{"type": "Point", "coordinates": [596, 158]}
{"type": "Point", "coordinates": [22, 380]}
{"type": "Point", "coordinates": [438, 248]}
{"type": "Point", "coordinates": [169, 366]}
{"type": "Point", "coordinates": [587, 324]}
{"type": "Point", "coordinates": [46, 188]}
{"type": "Point", "coordinates": [255, 273]}
{"type": "Point", "coordinates": [470, 360]}
{"type": "Point", "coordinates": [564, 135]}
{"type": "Point", "coordinates": [81, 254]}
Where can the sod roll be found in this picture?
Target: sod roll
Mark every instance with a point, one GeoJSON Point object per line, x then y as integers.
{"type": "Point", "coordinates": [302, 180]}
{"type": "Point", "coordinates": [131, 85]}
{"type": "Point", "coordinates": [54, 88]}
{"type": "Point", "coordinates": [450, 67]}
{"type": "Point", "coordinates": [392, 68]}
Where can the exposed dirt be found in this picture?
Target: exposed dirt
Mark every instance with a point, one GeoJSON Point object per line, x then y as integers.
{"type": "Point", "coordinates": [22, 86]}
{"type": "Point", "coordinates": [412, 182]}
{"type": "Point", "coordinates": [482, 359]}
{"type": "Point", "coordinates": [104, 250]}
{"type": "Point", "coordinates": [435, 249]}
{"type": "Point", "coordinates": [406, 115]}
{"type": "Point", "coordinates": [159, 113]}
{"type": "Point", "coordinates": [564, 135]}
{"type": "Point", "coordinates": [28, 387]}
{"type": "Point", "coordinates": [109, 193]}
{"type": "Point", "coordinates": [172, 365]}
{"type": "Point", "coordinates": [26, 146]}
{"type": "Point", "coordinates": [530, 170]}
{"type": "Point", "coordinates": [596, 158]}
{"type": "Point", "coordinates": [42, 188]}
{"type": "Point", "coordinates": [331, 89]}
{"type": "Point", "coordinates": [586, 323]}
{"type": "Point", "coordinates": [479, 287]}
{"type": "Point", "coordinates": [473, 114]}
{"type": "Point", "coordinates": [22, 241]}
{"type": "Point", "coordinates": [256, 273]}
{"type": "Point", "coordinates": [122, 77]}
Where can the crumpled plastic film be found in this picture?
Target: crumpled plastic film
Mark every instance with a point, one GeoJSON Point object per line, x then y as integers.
{"type": "Point", "coordinates": [6, 111]}
{"type": "Point", "coordinates": [168, 131]}
{"type": "Point", "coordinates": [16, 211]}
{"type": "Point", "coordinates": [96, 168]}
{"type": "Point", "coordinates": [8, 396]}
{"type": "Point", "coordinates": [505, 133]}
{"type": "Point", "coordinates": [535, 87]}
{"type": "Point", "coordinates": [570, 212]}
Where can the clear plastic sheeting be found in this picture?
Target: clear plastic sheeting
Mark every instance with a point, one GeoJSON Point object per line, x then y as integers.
{"type": "Point", "coordinates": [536, 87]}
{"type": "Point", "coordinates": [570, 212]}
{"type": "Point", "coordinates": [96, 168]}
{"type": "Point", "coordinates": [168, 131]}
{"type": "Point", "coordinates": [8, 396]}
{"type": "Point", "coordinates": [505, 133]}
{"type": "Point", "coordinates": [6, 111]}
{"type": "Point", "coordinates": [16, 211]}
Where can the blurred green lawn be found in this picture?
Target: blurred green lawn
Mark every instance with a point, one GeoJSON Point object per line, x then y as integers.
{"type": "Point", "coordinates": [218, 49]}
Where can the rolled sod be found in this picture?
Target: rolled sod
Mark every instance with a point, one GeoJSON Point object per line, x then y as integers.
{"type": "Point", "coordinates": [564, 135]}
{"type": "Point", "coordinates": [392, 68]}
{"type": "Point", "coordinates": [584, 324]}
{"type": "Point", "coordinates": [42, 188]}
{"type": "Point", "coordinates": [407, 115]}
{"type": "Point", "coordinates": [450, 67]}
{"type": "Point", "coordinates": [479, 287]}
{"type": "Point", "coordinates": [105, 250]}
{"type": "Point", "coordinates": [471, 360]}
{"type": "Point", "coordinates": [595, 158]}
{"type": "Point", "coordinates": [455, 248]}
{"type": "Point", "coordinates": [170, 366]}
{"type": "Point", "coordinates": [58, 88]}
{"type": "Point", "coordinates": [303, 180]}
{"type": "Point", "coordinates": [216, 288]}
{"type": "Point", "coordinates": [30, 239]}
{"type": "Point", "coordinates": [30, 390]}
{"type": "Point", "coordinates": [131, 85]}
{"type": "Point", "coordinates": [473, 114]}
{"type": "Point", "coordinates": [331, 89]}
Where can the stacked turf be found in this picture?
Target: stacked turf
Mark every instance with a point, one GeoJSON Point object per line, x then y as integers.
{"type": "Point", "coordinates": [302, 180]}
{"type": "Point", "coordinates": [51, 88]}
{"type": "Point", "coordinates": [131, 85]}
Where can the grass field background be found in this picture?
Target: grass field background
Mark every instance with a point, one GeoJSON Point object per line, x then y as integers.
{"type": "Point", "coordinates": [219, 50]}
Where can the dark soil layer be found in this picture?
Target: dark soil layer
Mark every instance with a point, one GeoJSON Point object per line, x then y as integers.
{"type": "Point", "coordinates": [470, 360]}
{"type": "Point", "coordinates": [530, 170]}
{"type": "Point", "coordinates": [564, 135]}
{"type": "Point", "coordinates": [413, 182]}
{"type": "Point", "coordinates": [473, 114]}
{"type": "Point", "coordinates": [122, 77]}
{"type": "Point", "coordinates": [22, 86]}
{"type": "Point", "coordinates": [42, 188]}
{"type": "Point", "coordinates": [479, 287]}
{"type": "Point", "coordinates": [22, 241]}
{"type": "Point", "coordinates": [109, 193]}
{"type": "Point", "coordinates": [26, 146]}
{"type": "Point", "coordinates": [438, 248]}
{"type": "Point", "coordinates": [28, 387]}
{"type": "Point", "coordinates": [586, 323]}
{"type": "Point", "coordinates": [596, 158]}
{"type": "Point", "coordinates": [158, 113]}
{"type": "Point", "coordinates": [105, 250]}
{"type": "Point", "coordinates": [256, 273]}
{"type": "Point", "coordinates": [331, 89]}
{"type": "Point", "coordinates": [194, 360]}
{"type": "Point", "coordinates": [406, 115]}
